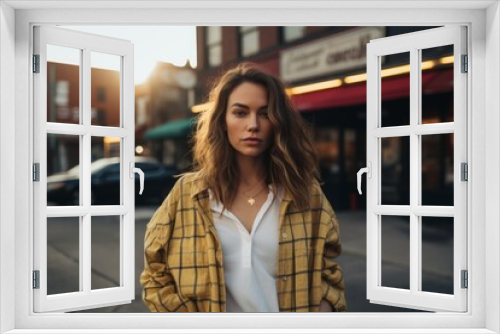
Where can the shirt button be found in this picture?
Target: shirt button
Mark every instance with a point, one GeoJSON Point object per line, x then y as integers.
{"type": "Point", "coordinates": [284, 235]}
{"type": "Point", "coordinates": [285, 278]}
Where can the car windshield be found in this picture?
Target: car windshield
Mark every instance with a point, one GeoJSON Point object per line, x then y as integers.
{"type": "Point", "coordinates": [94, 167]}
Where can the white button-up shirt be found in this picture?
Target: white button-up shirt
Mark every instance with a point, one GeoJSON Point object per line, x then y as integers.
{"type": "Point", "coordinates": [250, 259]}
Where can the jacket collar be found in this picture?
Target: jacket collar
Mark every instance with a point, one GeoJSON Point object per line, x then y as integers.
{"type": "Point", "coordinates": [199, 186]}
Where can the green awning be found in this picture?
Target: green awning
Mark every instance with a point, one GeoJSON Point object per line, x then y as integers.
{"type": "Point", "coordinates": [174, 129]}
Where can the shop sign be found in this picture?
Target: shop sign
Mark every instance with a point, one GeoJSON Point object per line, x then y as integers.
{"type": "Point", "coordinates": [330, 55]}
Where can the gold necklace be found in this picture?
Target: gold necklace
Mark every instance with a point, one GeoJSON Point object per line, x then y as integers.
{"type": "Point", "coordinates": [251, 199]}
{"type": "Point", "coordinates": [255, 185]}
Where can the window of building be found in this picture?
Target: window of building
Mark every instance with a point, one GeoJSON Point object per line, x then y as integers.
{"type": "Point", "coordinates": [214, 45]}
{"type": "Point", "coordinates": [292, 33]}
{"type": "Point", "coordinates": [249, 40]}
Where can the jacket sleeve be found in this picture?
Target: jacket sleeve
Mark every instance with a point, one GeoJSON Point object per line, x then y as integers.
{"type": "Point", "coordinates": [160, 292]}
{"type": "Point", "coordinates": [332, 278]}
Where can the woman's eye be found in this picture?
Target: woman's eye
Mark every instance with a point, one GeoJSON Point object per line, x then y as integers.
{"type": "Point", "coordinates": [239, 113]}
{"type": "Point", "coordinates": [264, 114]}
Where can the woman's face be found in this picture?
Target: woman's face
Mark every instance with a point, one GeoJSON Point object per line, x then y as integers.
{"type": "Point", "coordinates": [249, 129]}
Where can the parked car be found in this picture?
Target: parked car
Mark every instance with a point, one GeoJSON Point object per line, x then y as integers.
{"type": "Point", "coordinates": [63, 188]}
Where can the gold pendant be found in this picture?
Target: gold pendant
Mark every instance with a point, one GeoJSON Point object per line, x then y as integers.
{"type": "Point", "coordinates": [251, 201]}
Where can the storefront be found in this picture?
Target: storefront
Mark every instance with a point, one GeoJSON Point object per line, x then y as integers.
{"type": "Point", "coordinates": [333, 102]}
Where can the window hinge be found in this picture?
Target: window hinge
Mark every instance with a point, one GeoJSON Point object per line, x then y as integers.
{"type": "Point", "coordinates": [464, 171]}
{"type": "Point", "coordinates": [36, 279]}
{"type": "Point", "coordinates": [36, 63]}
{"type": "Point", "coordinates": [465, 279]}
{"type": "Point", "coordinates": [36, 172]}
{"type": "Point", "coordinates": [465, 64]}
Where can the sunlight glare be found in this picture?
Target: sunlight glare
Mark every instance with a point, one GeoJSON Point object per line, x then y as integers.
{"type": "Point", "coordinates": [173, 44]}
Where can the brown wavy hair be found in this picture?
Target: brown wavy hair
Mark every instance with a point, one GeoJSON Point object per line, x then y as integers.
{"type": "Point", "coordinates": [291, 159]}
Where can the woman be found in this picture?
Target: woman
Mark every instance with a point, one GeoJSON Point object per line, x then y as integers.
{"type": "Point", "coordinates": [250, 229]}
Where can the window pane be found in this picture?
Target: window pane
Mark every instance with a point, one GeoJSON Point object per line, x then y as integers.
{"type": "Point", "coordinates": [105, 238]}
{"type": "Point", "coordinates": [437, 169]}
{"type": "Point", "coordinates": [106, 170]}
{"type": "Point", "coordinates": [63, 84]}
{"type": "Point", "coordinates": [250, 43]}
{"type": "Point", "coordinates": [395, 90]}
{"type": "Point", "coordinates": [63, 173]}
{"type": "Point", "coordinates": [63, 255]}
{"type": "Point", "coordinates": [395, 240]}
{"type": "Point", "coordinates": [437, 85]}
{"type": "Point", "coordinates": [293, 32]}
{"type": "Point", "coordinates": [105, 89]}
{"type": "Point", "coordinates": [215, 55]}
{"type": "Point", "coordinates": [247, 28]}
{"type": "Point", "coordinates": [395, 165]}
{"type": "Point", "coordinates": [437, 254]}
{"type": "Point", "coordinates": [214, 35]}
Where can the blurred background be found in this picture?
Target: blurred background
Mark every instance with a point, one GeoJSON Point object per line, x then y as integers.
{"type": "Point", "coordinates": [324, 69]}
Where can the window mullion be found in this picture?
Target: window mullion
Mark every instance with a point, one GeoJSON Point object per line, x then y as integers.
{"type": "Point", "coordinates": [415, 105]}
{"type": "Point", "coordinates": [85, 158]}
{"type": "Point", "coordinates": [85, 251]}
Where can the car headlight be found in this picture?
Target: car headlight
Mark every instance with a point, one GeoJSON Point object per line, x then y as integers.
{"type": "Point", "coordinates": [55, 185]}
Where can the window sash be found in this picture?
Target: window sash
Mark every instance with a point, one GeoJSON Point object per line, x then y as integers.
{"type": "Point", "coordinates": [414, 298]}
{"type": "Point", "coordinates": [85, 297]}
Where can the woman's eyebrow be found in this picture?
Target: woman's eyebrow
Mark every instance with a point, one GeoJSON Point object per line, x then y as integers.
{"type": "Point", "coordinates": [241, 105]}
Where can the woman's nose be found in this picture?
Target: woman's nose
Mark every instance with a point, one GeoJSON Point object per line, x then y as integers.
{"type": "Point", "coordinates": [253, 124]}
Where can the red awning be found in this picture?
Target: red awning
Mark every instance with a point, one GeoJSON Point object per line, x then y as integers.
{"type": "Point", "coordinates": [433, 82]}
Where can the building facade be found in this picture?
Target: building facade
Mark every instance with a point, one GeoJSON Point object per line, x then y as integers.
{"type": "Point", "coordinates": [163, 113]}
{"type": "Point", "coordinates": [325, 71]}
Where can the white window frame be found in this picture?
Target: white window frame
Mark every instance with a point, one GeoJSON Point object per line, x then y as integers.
{"type": "Point", "coordinates": [377, 211]}
{"type": "Point", "coordinates": [483, 21]}
{"type": "Point", "coordinates": [85, 297]}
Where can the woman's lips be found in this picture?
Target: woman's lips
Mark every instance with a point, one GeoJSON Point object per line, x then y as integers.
{"type": "Point", "coordinates": [252, 141]}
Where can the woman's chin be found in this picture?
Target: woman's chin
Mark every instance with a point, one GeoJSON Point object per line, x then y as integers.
{"type": "Point", "coordinates": [250, 153]}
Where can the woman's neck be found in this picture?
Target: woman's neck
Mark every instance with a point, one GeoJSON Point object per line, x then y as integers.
{"type": "Point", "coordinates": [251, 170]}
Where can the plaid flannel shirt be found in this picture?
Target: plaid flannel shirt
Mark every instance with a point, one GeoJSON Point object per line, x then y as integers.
{"type": "Point", "coordinates": [184, 270]}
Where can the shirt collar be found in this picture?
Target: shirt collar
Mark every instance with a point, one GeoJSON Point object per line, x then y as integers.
{"type": "Point", "coordinates": [218, 206]}
{"type": "Point", "coordinates": [200, 186]}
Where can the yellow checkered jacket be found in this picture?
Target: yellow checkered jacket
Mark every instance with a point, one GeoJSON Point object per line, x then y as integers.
{"type": "Point", "coordinates": [184, 270]}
